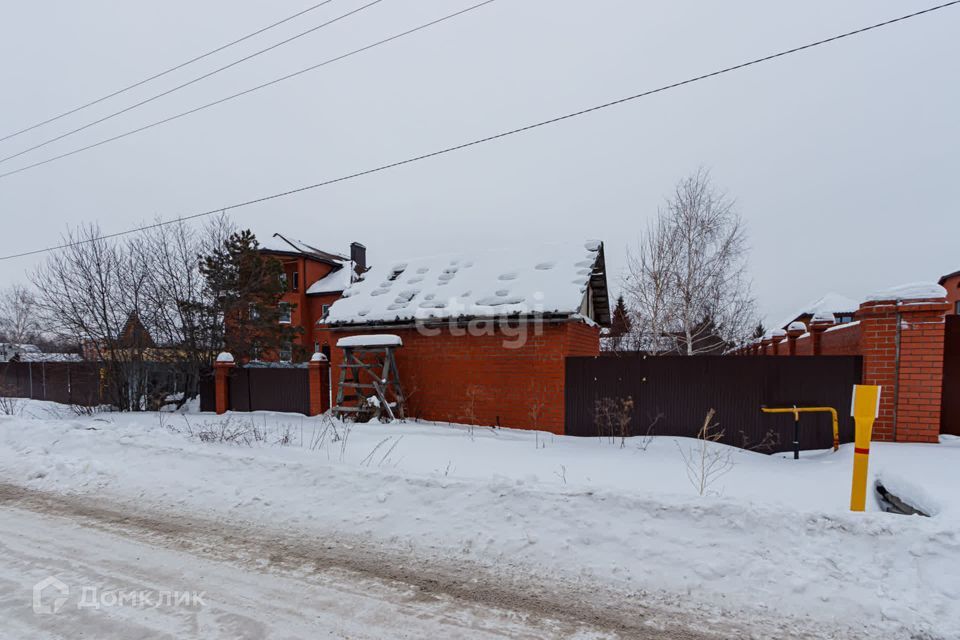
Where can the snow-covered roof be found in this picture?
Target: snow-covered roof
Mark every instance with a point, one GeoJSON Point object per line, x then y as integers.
{"type": "Point", "coordinates": [911, 291]}
{"type": "Point", "coordinates": [334, 282]}
{"type": "Point", "coordinates": [549, 279]}
{"type": "Point", "coordinates": [835, 303]}
{"type": "Point", "coordinates": [48, 357]}
{"type": "Point", "coordinates": [283, 244]}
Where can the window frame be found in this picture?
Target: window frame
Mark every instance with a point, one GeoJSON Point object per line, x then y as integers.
{"type": "Point", "coordinates": [286, 313]}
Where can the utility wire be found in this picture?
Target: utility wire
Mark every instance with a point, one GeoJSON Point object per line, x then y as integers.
{"type": "Point", "coordinates": [497, 136]}
{"type": "Point", "coordinates": [190, 82]}
{"type": "Point", "coordinates": [246, 91]}
{"type": "Point", "coordinates": [165, 72]}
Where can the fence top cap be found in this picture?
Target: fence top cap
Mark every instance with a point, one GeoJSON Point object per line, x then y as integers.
{"type": "Point", "coordinates": [823, 317]}
{"type": "Point", "coordinates": [910, 291]}
{"type": "Point", "coordinates": [372, 340]}
{"type": "Point", "coordinates": [778, 333]}
{"type": "Point", "coordinates": [318, 357]}
{"type": "Point", "coordinates": [224, 357]}
{"type": "Point", "coordinates": [797, 326]}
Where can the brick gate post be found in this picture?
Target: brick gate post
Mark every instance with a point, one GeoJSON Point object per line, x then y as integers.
{"type": "Point", "coordinates": [221, 379]}
{"type": "Point", "coordinates": [902, 333]}
{"type": "Point", "coordinates": [319, 371]}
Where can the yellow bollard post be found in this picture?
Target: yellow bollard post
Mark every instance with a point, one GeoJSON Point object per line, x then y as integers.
{"type": "Point", "coordinates": [864, 409]}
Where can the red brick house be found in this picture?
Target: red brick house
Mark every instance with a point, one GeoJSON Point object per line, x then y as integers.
{"type": "Point", "coordinates": [314, 280]}
{"type": "Point", "coordinates": [485, 335]}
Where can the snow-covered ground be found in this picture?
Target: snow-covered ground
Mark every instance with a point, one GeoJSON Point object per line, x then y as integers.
{"type": "Point", "coordinates": [771, 543]}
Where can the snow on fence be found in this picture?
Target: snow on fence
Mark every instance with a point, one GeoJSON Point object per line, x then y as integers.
{"type": "Point", "coordinates": [670, 395]}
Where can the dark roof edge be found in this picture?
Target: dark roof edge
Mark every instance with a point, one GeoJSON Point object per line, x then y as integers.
{"type": "Point", "coordinates": [947, 277]}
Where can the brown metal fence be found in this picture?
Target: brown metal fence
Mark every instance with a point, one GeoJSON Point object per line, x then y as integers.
{"type": "Point", "coordinates": [65, 382]}
{"type": "Point", "coordinates": [262, 389]}
{"type": "Point", "coordinates": [950, 408]}
{"type": "Point", "coordinates": [676, 392]}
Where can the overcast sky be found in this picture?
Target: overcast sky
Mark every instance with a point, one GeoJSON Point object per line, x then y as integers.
{"type": "Point", "coordinates": [843, 160]}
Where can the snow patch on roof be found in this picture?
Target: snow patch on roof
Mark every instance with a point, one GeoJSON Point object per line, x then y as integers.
{"type": "Point", "coordinates": [832, 303]}
{"type": "Point", "coordinates": [333, 282]}
{"type": "Point", "coordinates": [541, 279]}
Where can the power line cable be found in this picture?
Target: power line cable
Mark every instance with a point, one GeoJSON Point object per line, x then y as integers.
{"type": "Point", "coordinates": [270, 83]}
{"type": "Point", "coordinates": [497, 136]}
{"type": "Point", "coordinates": [189, 82]}
{"type": "Point", "coordinates": [165, 72]}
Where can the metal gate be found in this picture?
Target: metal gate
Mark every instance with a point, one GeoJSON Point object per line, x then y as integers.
{"type": "Point", "coordinates": [671, 395]}
{"type": "Point", "coordinates": [950, 400]}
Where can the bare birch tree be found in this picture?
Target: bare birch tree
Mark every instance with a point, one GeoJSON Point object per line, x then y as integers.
{"type": "Point", "coordinates": [19, 323]}
{"type": "Point", "coordinates": [687, 281]}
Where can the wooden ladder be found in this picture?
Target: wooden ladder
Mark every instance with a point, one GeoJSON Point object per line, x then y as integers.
{"type": "Point", "coordinates": [380, 366]}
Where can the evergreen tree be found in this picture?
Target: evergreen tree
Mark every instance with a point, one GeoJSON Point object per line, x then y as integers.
{"type": "Point", "coordinates": [759, 331]}
{"type": "Point", "coordinates": [620, 323]}
{"type": "Point", "coordinates": [245, 289]}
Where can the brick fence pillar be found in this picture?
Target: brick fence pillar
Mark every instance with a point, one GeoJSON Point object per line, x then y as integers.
{"type": "Point", "coordinates": [779, 335]}
{"type": "Point", "coordinates": [794, 331]}
{"type": "Point", "coordinates": [221, 379]}
{"type": "Point", "coordinates": [766, 346]}
{"type": "Point", "coordinates": [902, 346]}
{"type": "Point", "coordinates": [819, 324]}
{"type": "Point", "coordinates": [319, 372]}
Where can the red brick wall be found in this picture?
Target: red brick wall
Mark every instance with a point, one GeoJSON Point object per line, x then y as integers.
{"type": "Point", "coordinates": [842, 341]}
{"type": "Point", "coordinates": [476, 379]}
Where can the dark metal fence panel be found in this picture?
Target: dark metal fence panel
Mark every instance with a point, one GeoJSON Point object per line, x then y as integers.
{"type": "Point", "coordinates": [239, 389]}
{"type": "Point", "coordinates": [262, 389]}
{"type": "Point", "coordinates": [207, 390]}
{"type": "Point", "coordinates": [65, 382]}
{"type": "Point", "coordinates": [280, 390]}
{"type": "Point", "coordinates": [950, 409]}
{"type": "Point", "coordinates": [676, 392]}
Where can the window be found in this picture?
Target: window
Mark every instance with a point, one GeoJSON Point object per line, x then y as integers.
{"type": "Point", "coordinates": [956, 308]}
{"type": "Point", "coordinates": [843, 319]}
{"type": "Point", "coordinates": [286, 313]}
{"type": "Point", "coordinates": [283, 280]}
{"type": "Point", "coordinates": [286, 352]}
{"type": "Point", "coordinates": [316, 346]}
{"type": "Point", "coordinates": [254, 313]}
{"type": "Point", "coordinates": [324, 311]}
{"type": "Point", "coordinates": [296, 280]}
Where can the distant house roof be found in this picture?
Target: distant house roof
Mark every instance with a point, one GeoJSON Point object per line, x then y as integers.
{"type": "Point", "coordinates": [553, 279]}
{"type": "Point", "coordinates": [47, 357]}
{"type": "Point", "coordinates": [289, 246]}
{"type": "Point", "coordinates": [835, 303]}
{"type": "Point", "coordinates": [947, 277]}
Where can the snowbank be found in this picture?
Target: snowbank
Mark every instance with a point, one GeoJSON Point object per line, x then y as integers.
{"type": "Point", "coordinates": [772, 538]}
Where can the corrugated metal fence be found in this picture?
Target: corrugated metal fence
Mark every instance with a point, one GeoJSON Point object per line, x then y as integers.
{"type": "Point", "coordinates": [262, 389]}
{"type": "Point", "coordinates": [65, 382]}
{"type": "Point", "coordinates": [676, 392]}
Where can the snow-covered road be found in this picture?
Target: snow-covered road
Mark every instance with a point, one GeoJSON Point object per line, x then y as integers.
{"type": "Point", "coordinates": [130, 576]}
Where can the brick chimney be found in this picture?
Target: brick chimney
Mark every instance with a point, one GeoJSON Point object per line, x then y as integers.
{"type": "Point", "coordinates": [358, 255]}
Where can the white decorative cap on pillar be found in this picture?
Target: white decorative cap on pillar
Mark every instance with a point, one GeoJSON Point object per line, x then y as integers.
{"type": "Point", "coordinates": [318, 357]}
{"type": "Point", "coordinates": [224, 357]}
